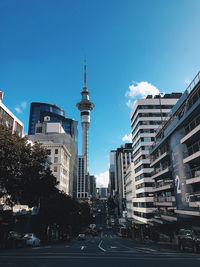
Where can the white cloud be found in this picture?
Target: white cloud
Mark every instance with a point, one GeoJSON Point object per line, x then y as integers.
{"type": "Point", "coordinates": [127, 138]}
{"type": "Point", "coordinates": [21, 107]}
{"type": "Point", "coordinates": [102, 179]}
{"type": "Point", "coordinates": [140, 90]}
{"type": "Point", "coordinates": [19, 111]}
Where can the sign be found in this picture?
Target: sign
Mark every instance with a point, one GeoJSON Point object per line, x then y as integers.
{"type": "Point", "coordinates": [47, 118]}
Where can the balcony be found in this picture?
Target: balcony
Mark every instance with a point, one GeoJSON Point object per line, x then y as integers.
{"type": "Point", "coordinates": [161, 171]}
{"type": "Point", "coordinates": [191, 135]}
{"type": "Point", "coordinates": [165, 201]}
{"type": "Point", "coordinates": [165, 215]}
{"type": "Point", "coordinates": [192, 154]}
{"type": "Point", "coordinates": [195, 176]}
{"type": "Point", "coordinates": [164, 185]}
{"type": "Point", "coordinates": [159, 158]}
{"type": "Point", "coordinates": [194, 200]}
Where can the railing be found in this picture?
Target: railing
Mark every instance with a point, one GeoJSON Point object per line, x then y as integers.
{"type": "Point", "coordinates": [164, 199]}
{"type": "Point", "coordinates": [163, 183]}
{"type": "Point", "coordinates": [194, 197]}
{"type": "Point", "coordinates": [164, 167]}
{"type": "Point", "coordinates": [192, 149]}
{"type": "Point", "coordinates": [193, 83]}
{"type": "Point", "coordinates": [171, 118]}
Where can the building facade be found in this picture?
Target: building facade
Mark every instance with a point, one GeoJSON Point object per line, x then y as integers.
{"type": "Point", "coordinates": [41, 112]}
{"type": "Point", "coordinates": [147, 117]}
{"type": "Point", "coordinates": [113, 185]}
{"type": "Point", "coordinates": [9, 119]}
{"type": "Point", "coordinates": [64, 153]}
{"type": "Point", "coordinates": [59, 157]}
{"type": "Point", "coordinates": [82, 184]}
{"type": "Point", "coordinates": [175, 159]}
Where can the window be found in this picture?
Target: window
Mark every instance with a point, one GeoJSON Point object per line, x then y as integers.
{"type": "Point", "coordinates": [56, 160]}
{"type": "Point", "coordinates": [48, 151]}
{"type": "Point", "coordinates": [55, 168]}
{"type": "Point", "coordinates": [56, 151]}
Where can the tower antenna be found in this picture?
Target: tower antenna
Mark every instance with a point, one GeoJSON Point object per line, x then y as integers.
{"type": "Point", "coordinates": [85, 74]}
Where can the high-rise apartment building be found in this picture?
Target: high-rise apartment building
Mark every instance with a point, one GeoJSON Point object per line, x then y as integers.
{"type": "Point", "coordinates": [113, 185]}
{"type": "Point", "coordinates": [82, 176]}
{"type": "Point", "coordinates": [41, 112]}
{"type": "Point", "coordinates": [175, 159]}
{"type": "Point", "coordinates": [147, 117]}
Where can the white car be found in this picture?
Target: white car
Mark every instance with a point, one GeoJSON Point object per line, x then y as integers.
{"type": "Point", "coordinates": [32, 240]}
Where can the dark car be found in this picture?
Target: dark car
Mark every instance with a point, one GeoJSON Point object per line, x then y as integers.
{"type": "Point", "coordinates": [15, 240]}
{"type": "Point", "coordinates": [189, 239]}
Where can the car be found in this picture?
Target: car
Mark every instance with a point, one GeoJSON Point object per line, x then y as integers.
{"type": "Point", "coordinates": [189, 239]}
{"type": "Point", "coordinates": [15, 239]}
{"type": "Point", "coordinates": [31, 239]}
{"type": "Point", "coordinates": [81, 237]}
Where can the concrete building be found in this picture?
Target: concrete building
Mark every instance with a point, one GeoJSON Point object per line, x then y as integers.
{"type": "Point", "coordinates": [64, 153]}
{"type": "Point", "coordinates": [124, 156]}
{"type": "Point", "coordinates": [92, 186]}
{"type": "Point", "coordinates": [9, 119]}
{"type": "Point", "coordinates": [82, 183]}
{"type": "Point", "coordinates": [41, 112]}
{"type": "Point", "coordinates": [85, 106]}
{"type": "Point", "coordinates": [60, 160]}
{"type": "Point", "coordinates": [113, 185]}
{"type": "Point", "coordinates": [175, 159]}
{"type": "Point", "coordinates": [130, 193]}
{"type": "Point", "coordinates": [102, 192]}
{"type": "Point", "coordinates": [147, 117]}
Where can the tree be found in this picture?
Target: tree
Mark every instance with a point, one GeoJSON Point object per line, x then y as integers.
{"type": "Point", "coordinates": [24, 176]}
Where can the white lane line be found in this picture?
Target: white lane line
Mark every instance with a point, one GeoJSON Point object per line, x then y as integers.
{"type": "Point", "coordinates": [113, 247]}
{"type": "Point", "coordinates": [82, 248]}
{"type": "Point", "coordinates": [99, 246]}
{"type": "Point", "coordinates": [67, 246]}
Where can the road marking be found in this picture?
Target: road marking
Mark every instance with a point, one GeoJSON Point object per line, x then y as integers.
{"type": "Point", "coordinates": [113, 247]}
{"type": "Point", "coordinates": [99, 246]}
{"type": "Point", "coordinates": [36, 248]}
{"type": "Point", "coordinates": [82, 248]}
{"type": "Point", "coordinates": [67, 246]}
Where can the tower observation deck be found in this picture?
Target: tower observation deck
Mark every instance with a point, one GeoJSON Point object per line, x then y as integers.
{"type": "Point", "coordinates": [85, 106]}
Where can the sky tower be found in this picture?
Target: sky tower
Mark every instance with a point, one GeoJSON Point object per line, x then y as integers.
{"type": "Point", "coordinates": [85, 106]}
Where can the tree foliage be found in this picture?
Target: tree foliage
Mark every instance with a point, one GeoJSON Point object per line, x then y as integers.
{"type": "Point", "coordinates": [24, 177]}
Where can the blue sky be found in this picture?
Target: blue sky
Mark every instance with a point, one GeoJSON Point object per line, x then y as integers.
{"type": "Point", "coordinates": [42, 46]}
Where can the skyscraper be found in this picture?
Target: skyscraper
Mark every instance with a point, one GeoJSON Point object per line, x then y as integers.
{"type": "Point", "coordinates": [85, 106]}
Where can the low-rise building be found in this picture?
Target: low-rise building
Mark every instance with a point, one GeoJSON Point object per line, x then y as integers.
{"type": "Point", "coordinates": [62, 151]}
{"type": "Point", "coordinates": [9, 119]}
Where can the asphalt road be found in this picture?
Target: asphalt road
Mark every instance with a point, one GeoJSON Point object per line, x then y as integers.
{"type": "Point", "coordinates": [103, 251]}
{"type": "Point", "coordinates": [107, 249]}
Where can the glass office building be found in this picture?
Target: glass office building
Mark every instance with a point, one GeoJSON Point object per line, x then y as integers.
{"type": "Point", "coordinates": [40, 112]}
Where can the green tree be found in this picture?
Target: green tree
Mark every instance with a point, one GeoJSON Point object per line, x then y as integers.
{"type": "Point", "coordinates": [24, 176]}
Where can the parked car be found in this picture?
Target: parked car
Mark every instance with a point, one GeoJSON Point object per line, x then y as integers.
{"type": "Point", "coordinates": [15, 240]}
{"type": "Point", "coordinates": [81, 237]}
{"type": "Point", "coordinates": [31, 239]}
{"type": "Point", "coordinates": [189, 239]}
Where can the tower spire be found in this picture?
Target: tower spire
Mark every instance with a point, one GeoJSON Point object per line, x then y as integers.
{"type": "Point", "coordinates": [85, 74]}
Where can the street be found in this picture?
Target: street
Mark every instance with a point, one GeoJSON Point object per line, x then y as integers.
{"type": "Point", "coordinates": [105, 250]}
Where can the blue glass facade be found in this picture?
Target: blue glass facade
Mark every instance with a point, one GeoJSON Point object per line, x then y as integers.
{"type": "Point", "coordinates": [39, 111]}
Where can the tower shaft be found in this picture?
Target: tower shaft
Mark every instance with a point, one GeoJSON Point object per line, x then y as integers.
{"type": "Point", "coordinates": [85, 130]}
